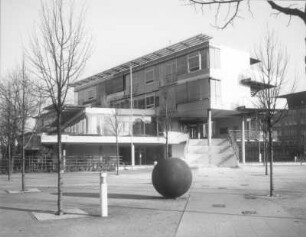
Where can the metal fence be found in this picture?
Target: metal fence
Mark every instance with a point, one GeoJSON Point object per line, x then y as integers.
{"type": "Point", "coordinates": [71, 163]}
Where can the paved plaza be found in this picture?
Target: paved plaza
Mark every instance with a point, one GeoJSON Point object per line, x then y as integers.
{"type": "Point", "coordinates": [221, 202]}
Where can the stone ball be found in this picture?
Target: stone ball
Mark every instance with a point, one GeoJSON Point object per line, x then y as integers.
{"type": "Point", "coordinates": [171, 177]}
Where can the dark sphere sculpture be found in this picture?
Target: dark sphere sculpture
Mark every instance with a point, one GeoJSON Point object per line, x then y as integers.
{"type": "Point", "coordinates": [171, 177]}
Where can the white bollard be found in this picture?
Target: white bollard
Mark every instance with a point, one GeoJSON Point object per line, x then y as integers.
{"type": "Point", "coordinates": [103, 195]}
{"type": "Point", "coordinates": [260, 160]}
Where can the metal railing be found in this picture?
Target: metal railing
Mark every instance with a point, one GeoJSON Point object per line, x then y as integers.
{"type": "Point", "coordinates": [71, 163]}
{"type": "Point", "coordinates": [249, 135]}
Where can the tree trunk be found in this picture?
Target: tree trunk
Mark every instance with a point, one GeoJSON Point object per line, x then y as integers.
{"type": "Point", "coordinates": [9, 160]}
{"type": "Point", "coordinates": [167, 130]}
{"type": "Point", "coordinates": [23, 160]}
{"type": "Point", "coordinates": [23, 187]}
{"type": "Point", "coordinates": [60, 170]}
{"type": "Point", "coordinates": [117, 153]}
{"type": "Point", "coordinates": [265, 154]}
{"type": "Point", "coordinates": [271, 157]}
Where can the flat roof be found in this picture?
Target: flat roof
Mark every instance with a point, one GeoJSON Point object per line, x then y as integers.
{"type": "Point", "coordinates": [301, 93]}
{"type": "Point", "coordinates": [159, 54]}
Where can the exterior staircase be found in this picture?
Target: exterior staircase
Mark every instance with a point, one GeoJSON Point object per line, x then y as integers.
{"type": "Point", "coordinates": [220, 153]}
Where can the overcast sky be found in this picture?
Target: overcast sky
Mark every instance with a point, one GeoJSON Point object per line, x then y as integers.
{"type": "Point", "coordinates": [124, 30]}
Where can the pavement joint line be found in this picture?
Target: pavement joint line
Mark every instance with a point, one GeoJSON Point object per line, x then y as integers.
{"type": "Point", "coordinates": [184, 210]}
{"type": "Point", "coordinates": [243, 215]}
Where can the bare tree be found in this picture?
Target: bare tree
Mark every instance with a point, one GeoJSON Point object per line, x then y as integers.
{"type": "Point", "coordinates": [229, 10]}
{"type": "Point", "coordinates": [29, 103]}
{"type": "Point", "coordinates": [19, 103]}
{"type": "Point", "coordinates": [9, 117]}
{"type": "Point", "coordinates": [6, 123]}
{"type": "Point", "coordinates": [226, 11]}
{"type": "Point", "coordinates": [115, 124]}
{"type": "Point", "coordinates": [167, 111]}
{"type": "Point", "coordinates": [272, 72]}
{"type": "Point", "coordinates": [59, 51]}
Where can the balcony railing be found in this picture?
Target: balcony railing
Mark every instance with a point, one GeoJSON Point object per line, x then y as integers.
{"type": "Point", "coordinates": [250, 135]}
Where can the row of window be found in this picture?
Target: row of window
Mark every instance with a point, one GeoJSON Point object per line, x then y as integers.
{"type": "Point", "coordinates": [143, 103]}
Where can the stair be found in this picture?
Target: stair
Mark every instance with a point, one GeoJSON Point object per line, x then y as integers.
{"type": "Point", "coordinates": [219, 153]}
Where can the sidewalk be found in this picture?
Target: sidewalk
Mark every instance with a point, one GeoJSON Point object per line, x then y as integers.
{"type": "Point", "coordinates": [221, 202]}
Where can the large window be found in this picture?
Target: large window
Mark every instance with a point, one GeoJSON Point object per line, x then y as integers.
{"type": "Point", "coordinates": [86, 95]}
{"type": "Point", "coordinates": [115, 85]}
{"type": "Point", "coordinates": [191, 91]}
{"type": "Point", "coordinates": [194, 62]}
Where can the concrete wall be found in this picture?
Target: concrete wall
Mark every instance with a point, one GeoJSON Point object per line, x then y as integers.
{"type": "Point", "coordinates": [178, 150]}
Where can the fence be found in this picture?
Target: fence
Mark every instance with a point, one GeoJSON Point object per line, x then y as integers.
{"type": "Point", "coordinates": [71, 163]}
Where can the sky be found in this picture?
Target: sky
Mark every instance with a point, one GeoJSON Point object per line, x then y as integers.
{"type": "Point", "coordinates": [124, 30]}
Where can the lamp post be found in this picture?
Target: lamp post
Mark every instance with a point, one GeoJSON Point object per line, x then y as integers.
{"type": "Point", "coordinates": [131, 119]}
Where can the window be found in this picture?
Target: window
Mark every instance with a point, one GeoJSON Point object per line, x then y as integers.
{"type": "Point", "coordinates": [194, 62]}
{"type": "Point", "coordinates": [149, 76]}
{"type": "Point", "coordinates": [91, 94]}
{"type": "Point", "coordinates": [139, 104]}
{"type": "Point", "coordinates": [86, 95]}
{"type": "Point", "coordinates": [115, 85]}
{"type": "Point", "coordinates": [150, 102]}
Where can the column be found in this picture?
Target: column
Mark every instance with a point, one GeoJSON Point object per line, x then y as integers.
{"type": "Point", "coordinates": [243, 140]}
{"type": "Point", "coordinates": [132, 155]}
{"type": "Point", "coordinates": [209, 127]}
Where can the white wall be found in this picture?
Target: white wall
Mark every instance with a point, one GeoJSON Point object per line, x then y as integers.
{"type": "Point", "coordinates": [233, 64]}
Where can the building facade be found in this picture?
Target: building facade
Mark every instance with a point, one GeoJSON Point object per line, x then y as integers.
{"type": "Point", "coordinates": [196, 84]}
{"type": "Point", "coordinates": [291, 130]}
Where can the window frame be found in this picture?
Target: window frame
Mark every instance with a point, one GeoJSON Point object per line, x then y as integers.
{"type": "Point", "coordinates": [150, 105]}
{"type": "Point", "coordinates": [191, 56]}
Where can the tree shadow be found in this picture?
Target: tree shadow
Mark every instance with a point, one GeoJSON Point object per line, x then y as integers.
{"type": "Point", "coordinates": [26, 210]}
{"type": "Point", "coordinates": [66, 212]}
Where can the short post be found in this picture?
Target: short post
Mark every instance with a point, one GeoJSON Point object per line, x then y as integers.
{"type": "Point", "coordinates": [103, 195]}
{"type": "Point", "coordinates": [260, 159]}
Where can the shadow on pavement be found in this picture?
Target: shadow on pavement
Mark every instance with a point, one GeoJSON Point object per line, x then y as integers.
{"type": "Point", "coordinates": [112, 195]}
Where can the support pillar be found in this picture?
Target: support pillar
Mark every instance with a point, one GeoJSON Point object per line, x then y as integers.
{"type": "Point", "coordinates": [209, 127]}
{"type": "Point", "coordinates": [132, 155]}
{"type": "Point", "coordinates": [243, 141]}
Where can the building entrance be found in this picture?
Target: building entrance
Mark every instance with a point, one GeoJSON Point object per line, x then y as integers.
{"type": "Point", "coordinates": [198, 130]}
